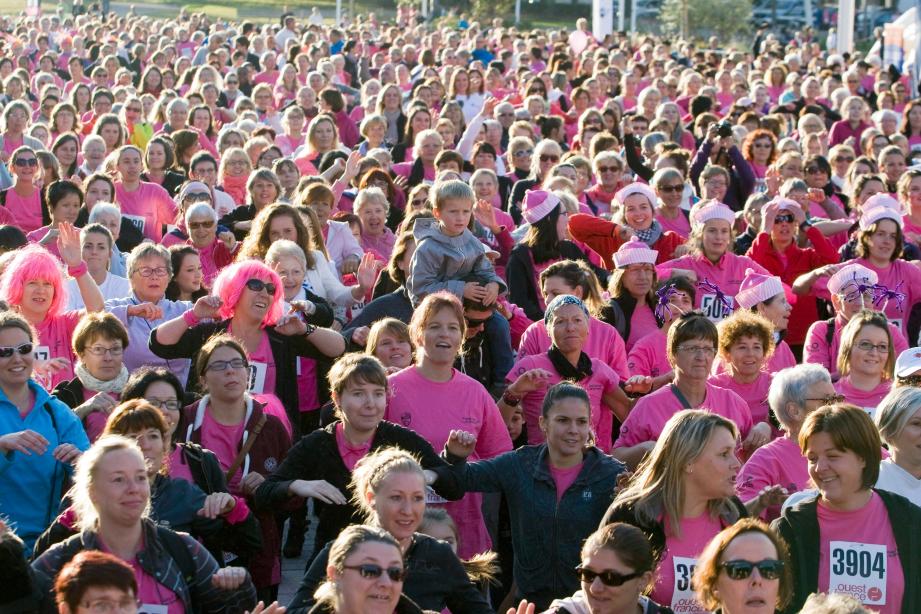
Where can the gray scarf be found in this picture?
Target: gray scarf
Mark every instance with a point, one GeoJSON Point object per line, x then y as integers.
{"type": "Point", "coordinates": [97, 385]}
{"type": "Point", "coordinates": [650, 235]}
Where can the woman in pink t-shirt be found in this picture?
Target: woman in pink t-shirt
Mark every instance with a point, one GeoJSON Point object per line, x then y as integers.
{"type": "Point", "coordinates": [147, 205]}
{"type": "Point", "coordinates": [851, 538]}
{"type": "Point", "coordinates": [63, 199]}
{"type": "Point", "coordinates": [695, 456]}
{"type": "Point", "coordinates": [22, 203]}
{"type": "Point", "coordinates": [909, 194]}
{"type": "Point", "coordinates": [866, 360]}
{"type": "Point", "coordinates": [649, 356]}
{"type": "Point", "coordinates": [33, 284]}
{"type": "Point", "coordinates": [432, 398]}
{"type": "Point", "coordinates": [632, 286]}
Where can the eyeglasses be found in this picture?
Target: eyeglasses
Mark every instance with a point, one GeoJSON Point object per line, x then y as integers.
{"type": "Point", "coordinates": [370, 571]}
{"type": "Point", "coordinates": [521, 153]}
{"type": "Point", "coordinates": [814, 170]}
{"type": "Point", "coordinates": [168, 404]}
{"type": "Point", "coordinates": [475, 322]}
{"type": "Point", "coordinates": [847, 159]}
{"type": "Point", "coordinates": [715, 184]}
{"type": "Point", "coordinates": [608, 169]}
{"type": "Point", "coordinates": [763, 145]}
{"type": "Point", "coordinates": [784, 219]}
{"type": "Point", "coordinates": [223, 365]}
{"type": "Point", "coordinates": [201, 225]}
{"type": "Point", "coordinates": [828, 399]}
{"type": "Point", "coordinates": [99, 350]}
{"type": "Point", "coordinates": [697, 350]}
{"type": "Point", "coordinates": [24, 162]}
{"type": "Point", "coordinates": [608, 577]}
{"type": "Point", "coordinates": [866, 346]}
{"type": "Point", "coordinates": [770, 569]}
{"type": "Point", "coordinates": [257, 285]}
{"type": "Point", "coordinates": [106, 606]}
{"type": "Point", "coordinates": [419, 202]}
{"type": "Point", "coordinates": [159, 271]}
{"type": "Point", "coordinates": [196, 196]}
{"type": "Point", "coordinates": [549, 158]}
{"type": "Point", "coordinates": [23, 348]}
{"type": "Point", "coordinates": [674, 189]}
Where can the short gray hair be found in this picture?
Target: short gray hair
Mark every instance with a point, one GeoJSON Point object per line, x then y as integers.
{"type": "Point", "coordinates": [200, 209]}
{"type": "Point", "coordinates": [285, 248]}
{"type": "Point", "coordinates": [100, 209]}
{"type": "Point", "coordinates": [149, 250]}
{"type": "Point", "coordinates": [367, 195]}
{"type": "Point", "coordinates": [895, 410]}
{"type": "Point", "coordinates": [791, 385]}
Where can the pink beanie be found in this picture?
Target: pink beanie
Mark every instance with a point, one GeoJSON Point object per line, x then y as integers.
{"type": "Point", "coordinates": [634, 251]}
{"type": "Point", "coordinates": [712, 211]}
{"type": "Point", "coordinates": [757, 288]}
{"type": "Point", "coordinates": [537, 205]}
{"type": "Point", "coordinates": [872, 215]}
{"type": "Point", "coordinates": [785, 203]}
{"type": "Point", "coordinates": [882, 200]}
{"type": "Point", "coordinates": [851, 274]}
{"type": "Point", "coordinates": [637, 188]}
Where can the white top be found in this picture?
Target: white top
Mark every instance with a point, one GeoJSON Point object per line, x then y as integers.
{"type": "Point", "coordinates": [323, 282]}
{"type": "Point", "coordinates": [895, 479]}
{"type": "Point", "coordinates": [113, 287]}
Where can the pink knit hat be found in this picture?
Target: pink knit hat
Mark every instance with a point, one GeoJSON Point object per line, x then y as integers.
{"type": "Point", "coordinates": [634, 251]}
{"type": "Point", "coordinates": [537, 205]}
{"type": "Point", "coordinates": [712, 211]}
{"type": "Point", "coordinates": [882, 200]}
{"type": "Point", "coordinates": [757, 288]}
{"type": "Point", "coordinates": [785, 203]}
{"type": "Point", "coordinates": [852, 274]}
{"type": "Point", "coordinates": [637, 188]}
{"type": "Point", "coordinates": [875, 214]}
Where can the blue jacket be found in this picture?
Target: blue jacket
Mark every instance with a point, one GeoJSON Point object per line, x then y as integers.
{"type": "Point", "coordinates": [546, 536]}
{"type": "Point", "coordinates": [30, 486]}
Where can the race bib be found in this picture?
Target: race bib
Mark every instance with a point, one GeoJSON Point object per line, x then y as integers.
{"type": "Point", "coordinates": [257, 371]}
{"type": "Point", "coordinates": [715, 310]}
{"type": "Point", "coordinates": [683, 598]}
{"type": "Point", "coordinates": [432, 497]}
{"type": "Point", "coordinates": [151, 608]}
{"type": "Point", "coordinates": [139, 221]}
{"type": "Point", "coordinates": [858, 570]}
{"type": "Point", "coordinates": [42, 352]}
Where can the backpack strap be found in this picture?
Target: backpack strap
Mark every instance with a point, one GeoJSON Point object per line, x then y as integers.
{"type": "Point", "coordinates": [52, 508]}
{"type": "Point", "coordinates": [829, 331]}
{"type": "Point", "coordinates": [177, 549]}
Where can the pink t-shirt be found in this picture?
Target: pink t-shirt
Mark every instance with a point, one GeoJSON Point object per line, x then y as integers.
{"type": "Point", "coordinates": [149, 208]}
{"type": "Point", "coordinates": [54, 341]}
{"type": "Point", "coordinates": [152, 593]}
{"type": "Point", "coordinates": [897, 271]}
{"type": "Point", "coordinates": [261, 367]}
{"type": "Point", "coordinates": [224, 441]}
{"type": "Point", "coordinates": [642, 323]}
{"type": "Point", "coordinates": [754, 394]}
{"type": "Point", "coordinates": [778, 462]}
{"type": "Point", "coordinates": [728, 274]}
{"type": "Point", "coordinates": [37, 235]}
{"type": "Point", "coordinates": [781, 359]}
{"type": "Point", "coordinates": [603, 380]}
{"type": "Point", "coordinates": [817, 351]}
{"type": "Point", "coordinates": [858, 556]}
{"type": "Point", "coordinates": [867, 399]}
{"type": "Point", "coordinates": [26, 212]}
{"type": "Point", "coordinates": [649, 415]}
{"type": "Point", "coordinates": [679, 558]}
{"type": "Point", "coordinates": [405, 169]}
{"type": "Point", "coordinates": [563, 478]}
{"type": "Point", "coordinates": [178, 468]}
{"type": "Point", "coordinates": [649, 356]}
{"type": "Point", "coordinates": [307, 397]}
{"type": "Point", "coordinates": [432, 410]}
{"type": "Point", "coordinates": [603, 343]}
{"type": "Point", "coordinates": [350, 453]}
{"type": "Point", "coordinates": [679, 225]}
{"type": "Point", "coordinates": [95, 422]}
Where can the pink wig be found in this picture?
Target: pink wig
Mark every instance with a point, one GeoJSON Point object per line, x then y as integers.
{"type": "Point", "coordinates": [34, 262]}
{"type": "Point", "coordinates": [231, 282]}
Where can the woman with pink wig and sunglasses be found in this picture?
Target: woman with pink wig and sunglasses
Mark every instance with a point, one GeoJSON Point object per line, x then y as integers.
{"type": "Point", "coordinates": [33, 284]}
{"type": "Point", "coordinates": [246, 302]}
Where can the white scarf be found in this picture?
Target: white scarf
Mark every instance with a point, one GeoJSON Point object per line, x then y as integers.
{"type": "Point", "coordinates": [97, 385]}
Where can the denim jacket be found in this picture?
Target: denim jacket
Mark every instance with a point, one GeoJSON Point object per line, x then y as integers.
{"type": "Point", "coordinates": [547, 535]}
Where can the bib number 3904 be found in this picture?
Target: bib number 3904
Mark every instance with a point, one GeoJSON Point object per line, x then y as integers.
{"type": "Point", "coordinates": [715, 310]}
{"type": "Point", "coordinates": [858, 570]}
{"type": "Point", "coordinates": [683, 598]}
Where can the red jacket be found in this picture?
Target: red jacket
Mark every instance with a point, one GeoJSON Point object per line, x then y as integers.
{"type": "Point", "coordinates": [603, 236]}
{"type": "Point", "coordinates": [798, 261]}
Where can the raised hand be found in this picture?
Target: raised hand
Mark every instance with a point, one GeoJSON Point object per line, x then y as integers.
{"type": "Point", "coordinates": [69, 244]}
{"type": "Point", "coordinates": [291, 325]}
{"type": "Point", "coordinates": [360, 335]}
{"type": "Point", "coordinates": [207, 308]}
{"type": "Point", "coordinates": [148, 311]}
{"type": "Point", "coordinates": [460, 443]}
{"type": "Point", "coordinates": [367, 272]}
{"type": "Point", "coordinates": [217, 504]}
{"type": "Point", "coordinates": [638, 384]}
{"type": "Point", "coordinates": [485, 214]}
{"type": "Point", "coordinates": [529, 381]}
{"type": "Point", "coordinates": [229, 578]}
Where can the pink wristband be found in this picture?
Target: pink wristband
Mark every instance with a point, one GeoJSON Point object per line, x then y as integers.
{"type": "Point", "coordinates": [78, 271]}
{"type": "Point", "coordinates": [190, 318]}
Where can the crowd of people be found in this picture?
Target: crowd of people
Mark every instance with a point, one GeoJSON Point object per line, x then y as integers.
{"type": "Point", "coordinates": [519, 321]}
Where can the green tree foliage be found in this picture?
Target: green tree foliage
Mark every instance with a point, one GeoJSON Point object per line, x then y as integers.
{"type": "Point", "coordinates": [726, 19]}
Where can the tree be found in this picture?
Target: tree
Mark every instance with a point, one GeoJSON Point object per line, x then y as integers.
{"type": "Point", "coordinates": [727, 19]}
{"type": "Point", "coordinates": [486, 10]}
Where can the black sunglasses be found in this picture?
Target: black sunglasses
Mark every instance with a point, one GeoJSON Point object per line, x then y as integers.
{"type": "Point", "coordinates": [257, 285]}
{"type": "Point", "coordinates": [780, 219]}
{"type": "Point", "coordinates": [608, 577]}
{"type": "Point", "coordinates": [474, 322]}
{"type": "Point", "coordinates": [369, 570]}
{"type": "Point", "coordinates": [770, 569]}
{"type": "Point", "coordinates": [23, 348]}
{"type": "Point", "coordinates": [672, 188]}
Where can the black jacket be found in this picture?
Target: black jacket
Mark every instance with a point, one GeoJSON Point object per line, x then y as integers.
{"type": "Point", "coordinates": [285, 351]}
{"type": "Point", "coordinates": [522, 289]}
{"type": "Point", "coordinates": [799, 526]}
{"type": "Point", "coordinates": [243, 213]}
{"type": "Point", "coordinates": [656, 531]}
{"type": "Point", "coordinates": [316, 457]}
{"type": "Point", "coordinates": [395, 305]}
{"type": "Point", "coordinates": [172, 181]}
{"type": "Point", "coordinates": [129, 236]}
{"type": "Point", "coordinates": [404, 606]}
{"type": "Point", "coordinates": [436, 579]}
{"type": "Point", "coordinates": [70, 393]}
